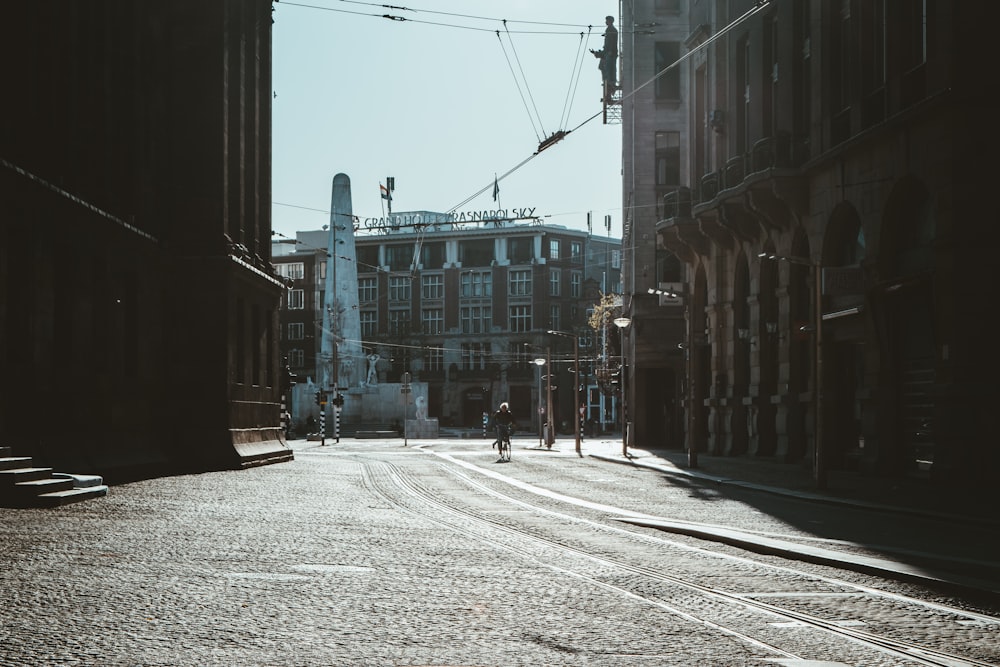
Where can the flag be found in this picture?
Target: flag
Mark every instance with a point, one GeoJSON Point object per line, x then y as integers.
{"type": "Point", "coordinates": [496, 187]}
{"type": "Point", "coordinates": [385, 192]}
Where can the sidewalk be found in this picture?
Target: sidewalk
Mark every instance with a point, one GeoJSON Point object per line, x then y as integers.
{"type": "Point", "coordinates": [974, 571]}
{"type": "Point", "coordinates": [903, 495]}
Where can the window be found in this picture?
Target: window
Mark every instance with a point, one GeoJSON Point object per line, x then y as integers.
{"type": "Point", "coordinates": [616, 259]}
{"type": "Point", "coordinates": [520, 250]}
{"type": "Point", "coordinates": [554, 282]}
{"type": "Point", "coordinates": [668, 86]}
{"type": "Point", "coordinates": [296, 358]}
{"type": "Point", "coordinates": [399, 288]}
{"type": "Point", "coordinates": [399, 257]}
{"type": "Point", "coordinates": [475, 319]}
{"type": "Point", "coordinates": [575, 284]}
{"type": "Point", "coordinates": [432, 255]}
{"type": "Point", "coordinates": [296, 299]}
{"type": "Point", "coordinates": [367, 258]}
{"type": "Point", "coordinates": [433, 320]}
{"type": "Point", "coordinates": [575, 250]}
{"type": "Point", "coordinates": [293, 270]}
{"type": "Point", "coordinates": [520, 282]}
{"type": "Point", "coordinates": [432, 286]}
{"type": "Point", "coordinates": [520, 318]}
{"type": "Point", "coordinates": [668, 158]}
{"type": "Point", "coordinates": [296, 330]}
{"type": "Point", "coordinates": [367, 290]}
{"type": "Point", "coordinates": [369, 323]}
{"type": "Point", "coordinates": [473, 357]}
{"type": "Point", "coordinates": [553, 248]}
{"type": "Point", "coordinates": [476, 252]}
{"type": "Point", "coordinates": [435, 359]}
{"type": "Point", "coordinates": [555, 319]}
{"type": "Point", "coordinates": [477, 284]}
{"type": "Point", "coordinates": [399, 322]}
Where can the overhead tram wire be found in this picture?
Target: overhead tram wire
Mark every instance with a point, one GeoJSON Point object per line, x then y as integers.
{"type": "Point", "coordinates": [393, 17]}
{"type": "Point", "coordinates": [519, 91]}
{"type": "Point", "coordinates": [574, 81]}
{"type": "Point", "coordinates": [523, 77]}
{"type": "Point", "coordinates": [559, 136]}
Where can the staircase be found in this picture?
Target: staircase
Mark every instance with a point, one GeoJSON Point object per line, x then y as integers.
{"type": "Point", "coordinates": [23, 485]}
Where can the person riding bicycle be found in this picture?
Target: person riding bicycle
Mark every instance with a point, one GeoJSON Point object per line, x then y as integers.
{"type": "Point", "coordinates": [504, 417]}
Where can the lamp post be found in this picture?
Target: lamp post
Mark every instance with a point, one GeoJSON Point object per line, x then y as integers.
{"type": "Point", "coordinates": [819, 452]}
{"type": "Point", "coordinates": [576, 382]}
{"type": "Point", "coordinates": [622, 323]}
{"type": "Point", "coordinates": [541, 410]}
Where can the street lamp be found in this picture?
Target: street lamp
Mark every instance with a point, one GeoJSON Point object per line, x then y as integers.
{"type": "Point", "coordinates": [576, 381]}
{"type": "Point", "coordinates": [541, 410]}
{"type": "Point", "coordinates": [819, 453]}
{"type": "Point", "coordinates": [621, 323]}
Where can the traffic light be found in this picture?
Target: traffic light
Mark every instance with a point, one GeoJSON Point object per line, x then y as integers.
{"type": "Point", "coordinates": [319, 397]}
{"type": "Point", "coordinates": [338, 400]}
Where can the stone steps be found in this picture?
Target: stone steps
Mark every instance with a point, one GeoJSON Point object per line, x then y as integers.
{"type": "Point", "coordinates": [25, 485]}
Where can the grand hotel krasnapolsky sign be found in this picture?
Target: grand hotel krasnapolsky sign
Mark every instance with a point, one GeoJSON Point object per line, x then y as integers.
{"type": "Point", "coordinates": [411, 221]}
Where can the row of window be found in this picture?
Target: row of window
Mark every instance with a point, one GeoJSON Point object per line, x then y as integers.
{"type": "Point", "coordinates": [473, 284]}
{"type": "Point", "coordinates": [473, 319]}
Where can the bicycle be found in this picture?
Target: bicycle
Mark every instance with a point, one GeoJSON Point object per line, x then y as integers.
{"type": "Point", "coordinates": [503, 441]}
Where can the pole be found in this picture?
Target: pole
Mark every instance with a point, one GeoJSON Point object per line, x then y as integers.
{"type": "Point", "coordinates": [621, 323]}
{"type": "Point", "coordinates": [819, 455]}
{"type": "Point", "coordinates": [540, 409]}
{"type": "Point", "coordinates": [691, 447]}
{"type": "Point", "coordinates": [551, 436]}
{"type": "Point", "coordinates": [576, 390]}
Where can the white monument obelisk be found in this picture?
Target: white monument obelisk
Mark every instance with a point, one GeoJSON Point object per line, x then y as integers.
{"type": "Point", "coordinates": [343, 358]}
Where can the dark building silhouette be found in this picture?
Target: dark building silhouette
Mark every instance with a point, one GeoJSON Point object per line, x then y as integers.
{"type": "Point", "coordinates": [820, 202]}
{"type": "Point", "coordinates": [137, 299]}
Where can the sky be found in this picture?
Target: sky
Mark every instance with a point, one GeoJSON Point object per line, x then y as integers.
{"type": "Point", "coordinates": [445, 105]}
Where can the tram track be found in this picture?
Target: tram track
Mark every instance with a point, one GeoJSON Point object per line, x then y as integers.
{"type": "Point", "coordinates": [489, 515]}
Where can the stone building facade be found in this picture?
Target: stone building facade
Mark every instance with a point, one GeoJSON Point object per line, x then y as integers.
{"type": "Point", "coordinates": [834, 234]}
{"type": "Point", "coordinates": [138, 306]}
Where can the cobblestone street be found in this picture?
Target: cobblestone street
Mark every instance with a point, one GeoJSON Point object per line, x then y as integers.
{"type": "Point", "coordinates": [334, 559]}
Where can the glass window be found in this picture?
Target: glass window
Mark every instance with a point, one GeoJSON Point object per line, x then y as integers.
{"type": "Point", "coordinates": [477, 284]}
{"type": "Point", "coordinates": [575, 284]}
{"type": "Point", "coordinates": [520, 282]}
{"type": "Point", "coordinates": [433, 320]}
{"type": "Point", "coordinates": [575, 249]}
{"type": "Point", "coordinates": [296, 358]}
{"type": "Point", "coordinates": [520, 318]}
{"type": "Point", "coordinates": [296, 299]}
{"type": "Point", "coordinates": [520, 250]}
{"type": "Point", "coordinates": [399, 257]}
{"type": "Point", "coordinates": [399, 288]}
{"type": "Point", "coordinates": [296, 330]}
{"type": "Point", "coordinates": [668, 158]}
{"type": "Point", "coordinates": [432, 286]}
{"type": "Point", "coordinates": [553, 248]}
{"type": "Point", "coordinates": [475, 319]}
{"type": "Point", "coordinates": [367, 290]}
{"type": "Point", "coordinates": [435, 359]}
{"type": "Point", "coordinates": [668, 86]}
{"type": "Point", "coordinates": [369, 323]}
{"type": "Point", "coordinates": [554, 275]}
{"type": "Point", "coordinates": [555, 321]}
